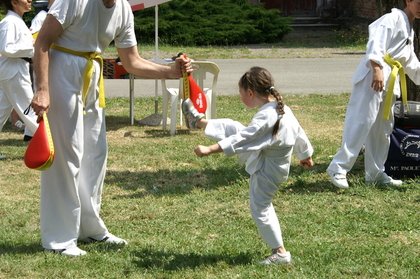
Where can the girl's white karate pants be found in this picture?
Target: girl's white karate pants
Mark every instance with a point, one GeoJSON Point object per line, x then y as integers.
{"type": "Point", "coordinates": [17, 94]}
{"type": "Point", "coordinates": [364, 125]}
{"type": "Point", "coordinates": [263, 185]}
{"type": "Point", "coordinates": [71, 189]}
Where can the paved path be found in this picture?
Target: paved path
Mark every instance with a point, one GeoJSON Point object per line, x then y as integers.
{"type": "Point", "coordinates": [292, 76]}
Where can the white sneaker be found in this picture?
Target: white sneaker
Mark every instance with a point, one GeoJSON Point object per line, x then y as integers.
{"type": "Point", "coordinates": [109, 239]}
{"type": "Point", "coordinates": [278, 258]}
{"type": "Point", "coordinates": [70, 252]}
{"type": "Point", "coordinates": [192, 116]}
{"type": "Point", "coordinates": [339, 180]}
{"type": "Point", "coordinates": [385, 180]}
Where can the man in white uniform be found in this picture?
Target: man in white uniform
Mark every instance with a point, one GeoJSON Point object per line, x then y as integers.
{"type": "Point", "coordinates": [69, 85]}
{"type": "Point", "coordinates": [369, 117]}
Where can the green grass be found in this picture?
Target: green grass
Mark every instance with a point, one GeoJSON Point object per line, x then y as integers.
{"type": "Point", "coordinates": [188, 217]}
{"type": "Point", "coordinates": [295, 45]}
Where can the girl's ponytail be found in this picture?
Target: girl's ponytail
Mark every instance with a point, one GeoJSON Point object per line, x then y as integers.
{"type": "Point", "coordinates": [280, 107]}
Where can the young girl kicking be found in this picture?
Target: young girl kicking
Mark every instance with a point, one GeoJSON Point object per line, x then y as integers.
{"type": "Point", "coordinates": [266, 146]}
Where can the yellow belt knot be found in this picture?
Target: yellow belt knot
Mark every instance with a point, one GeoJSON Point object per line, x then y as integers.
{"type": "Point", "coordinates": [396, 69]}
{"type": "Point", "coordinates": [87, 76]}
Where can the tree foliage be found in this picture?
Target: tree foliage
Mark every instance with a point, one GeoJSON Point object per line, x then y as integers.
{"type": "Point", "coordinates": [216, 22]}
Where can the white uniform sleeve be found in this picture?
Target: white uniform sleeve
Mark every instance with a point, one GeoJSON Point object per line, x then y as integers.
{"type": "Point", "coordinates": [126, 37]}
{"type": "Point", "coordinates": [413, 68]}
{"type": "Point", "coordinates": [65, 11]}
{"type": "Point", "coordinates": [37, 22]}
{"type": "Point", "coordinates": [303, 147]}
{"type": "Point", "coordinates": [380, 34]}
{"type": "Point", "coordinates": [12, 44]}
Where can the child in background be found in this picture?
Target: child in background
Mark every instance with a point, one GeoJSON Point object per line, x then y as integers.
{"type": "Point", "coordinates": [266, 146]}
{"type": "Point", "coordinates": [390, 48]}
{"type": "Point", "coordinates": [15, 50]}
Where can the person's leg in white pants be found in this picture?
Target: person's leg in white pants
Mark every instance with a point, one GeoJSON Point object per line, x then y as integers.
{"type": "Point", "coordinates": [17, 93]}
{"type": "Point", "coordinates": [92, 175]}
{"type": "Point", "coordinates": [377, 146]}
{"type": "Point", "coordinates": [221, 128]}
{"type": "Point", "coordinates": [362, 111]}
{"type": "Point", "coordinates": [261, 193]}
{"type": "Point", "coordinates": [65, 188]}
{"type": "Point", "coordinates": [262, 188]}
{"type": "Point", "coordinates": [60, 203]}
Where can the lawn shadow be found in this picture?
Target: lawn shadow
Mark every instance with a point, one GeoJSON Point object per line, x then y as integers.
{"type": "Point", "coordinates": [12, 142]}
{"type": "Point", "coordinates": [321, 183]}
{"type": "Point", "coordinates": [174, 182]}
{"type": "Point", "coordinates": [114, 123]}
{"type": "Point", "coordinates": [350, 53]}
{"type": "Point", "coordinates": [303, 183]}
{"type": "Point", "coordinates": [170, 261]}
{"type": "Point", "coordinates": [28, 249]}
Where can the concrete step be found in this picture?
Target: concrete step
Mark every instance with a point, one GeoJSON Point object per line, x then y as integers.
{"type": "Point", "coordinates": [306, 20]}
{"type": "Point", "coordinates": [314, 26]}
{"type": "Point", "coordinates": [312, 23]}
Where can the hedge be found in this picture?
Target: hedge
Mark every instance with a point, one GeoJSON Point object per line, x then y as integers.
{"type": "Point", "coordinates": [217, 22]}
{"type": "Point", "coordinates": [208, 22]}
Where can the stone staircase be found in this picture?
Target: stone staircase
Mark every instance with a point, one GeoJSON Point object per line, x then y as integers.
{"type": "Point", "coordinates": [313, 23]}
{"type": "Point", "coordinates": [312, 27]}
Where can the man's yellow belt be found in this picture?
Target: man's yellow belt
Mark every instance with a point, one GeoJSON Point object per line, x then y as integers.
{"type": "Point", "coordinates": [396, 69]}
{"type": "Point", "coordinates": [87, 76]}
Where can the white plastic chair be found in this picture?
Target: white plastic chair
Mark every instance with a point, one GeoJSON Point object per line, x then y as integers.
{"type": "Point", "coordinates": [205, 74]}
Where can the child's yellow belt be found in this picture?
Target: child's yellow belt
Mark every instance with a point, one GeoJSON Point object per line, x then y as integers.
{"type": "Point", "coordinates": [87, 76]}
{"type": "Point", "coordinates": [396, 69]}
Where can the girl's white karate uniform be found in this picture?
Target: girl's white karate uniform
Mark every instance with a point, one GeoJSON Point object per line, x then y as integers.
{"type": "Point", "coordinates": [15, 80]}
{"type": "Point", "coordinates": [267, 159]}
{"type": "Point", "coordinates": [71, 189]}
{"type": "Point", "coordinates": [364, 122]}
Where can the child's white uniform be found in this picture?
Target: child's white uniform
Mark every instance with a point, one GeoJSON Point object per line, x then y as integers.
{"type": "Point", "coordinates": [364, 123]}
{"type": "Point", "coordinates": [37, 21]}
{"type": "Point", "coordinates": [267, 159]}
{"type": "Point", "coordinates": [71, 189]}
{"type": "Point", "coordinates": [15, 81]}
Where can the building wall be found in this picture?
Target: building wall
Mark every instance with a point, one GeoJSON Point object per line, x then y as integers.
{"type": "Point", "coordinates": [365, 9]}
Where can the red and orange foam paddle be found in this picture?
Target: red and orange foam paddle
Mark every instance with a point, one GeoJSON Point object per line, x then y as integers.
{"type": "Point", "coordinates": [39, 154]}
{"type": "Point", "coordinates": [194, 92]}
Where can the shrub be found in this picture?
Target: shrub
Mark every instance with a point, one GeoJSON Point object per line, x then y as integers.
{"type": "Point", "coordinates": [231, 22]}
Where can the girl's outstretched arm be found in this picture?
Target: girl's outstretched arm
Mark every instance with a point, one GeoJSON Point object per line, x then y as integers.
{"type": "Point", "coordinates": [202, 150]}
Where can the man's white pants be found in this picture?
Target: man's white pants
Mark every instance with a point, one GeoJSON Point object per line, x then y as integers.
{"type": "Point", "coordinates": [263, 185]}
{"type": "Point", "coordinates": [364, 125]}
{"type": "Point", "coordinates": [71, 189]}
{"type": "Point", "coordinates": [17, 94]}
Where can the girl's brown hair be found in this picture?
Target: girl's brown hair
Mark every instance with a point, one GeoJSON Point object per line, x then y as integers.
{"type": "Point", "coordinates": [260, 81]}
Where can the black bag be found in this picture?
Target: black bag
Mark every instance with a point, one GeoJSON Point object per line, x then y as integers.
{"type": "Point", "coordinates": [407, 119]}
{"type": "Point", "coordinates": [404, 153]}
